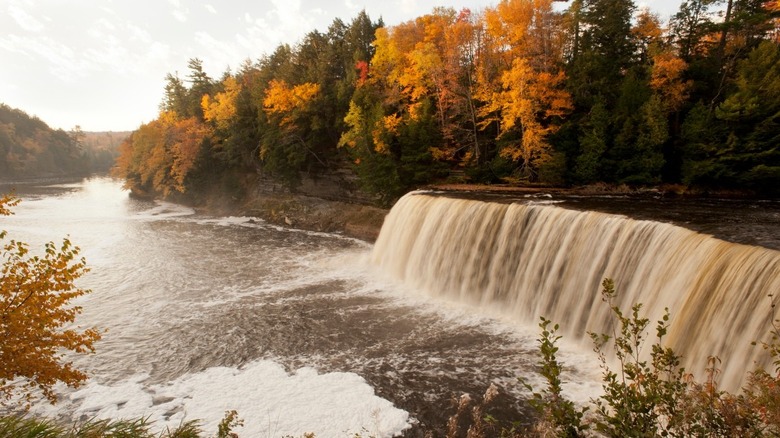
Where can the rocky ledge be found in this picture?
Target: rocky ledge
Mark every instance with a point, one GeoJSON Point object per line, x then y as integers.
{"type": "Point", "coordinates": [316, 214]}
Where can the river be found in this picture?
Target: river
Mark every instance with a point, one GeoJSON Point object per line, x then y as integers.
{"type": "Point", "coordinates": [297, 331]}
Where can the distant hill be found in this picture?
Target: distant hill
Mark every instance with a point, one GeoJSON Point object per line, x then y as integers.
{"type": "Point", "coordinates": [102, 148]}
{"type": "Point", "coordinates": [29, 148]}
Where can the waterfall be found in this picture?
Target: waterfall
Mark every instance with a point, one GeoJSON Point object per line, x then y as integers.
{"type": "Point", "coordinates": [533, 260]}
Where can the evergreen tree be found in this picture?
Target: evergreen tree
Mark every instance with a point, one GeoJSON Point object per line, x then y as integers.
{"type": "Point", "coordinates": [752, 113]}
{"type": "Point", "coordinates": [592, 139]}
{"type": "Point", "coordinates": [175, 96]}
{"type": "Point", "coordinates": [606, 50]}
{"type": "Point", "coordinates": [200, 85]}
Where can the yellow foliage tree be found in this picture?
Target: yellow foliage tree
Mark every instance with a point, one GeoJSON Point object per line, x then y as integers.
{"type": "Point", "coordinates": [36, 318]}
{"type": "Point", "coordinates": [531, 101]}
{"type": "Point", "coordinates": [391, 44]}
{"type": "Point", "coordinates": [289, 110]}
{"type": "Point", "coordinates": [222, 107]}
{"type": "Point", "coordinates": [369, 131]}
{"type": "Point", "coordinates": [282, 99]}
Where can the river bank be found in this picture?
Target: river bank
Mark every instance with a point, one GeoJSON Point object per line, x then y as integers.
{"type": "Point", "coordinates": [323, 205]}
{"type": "Point", "coordinates": [316, 214]}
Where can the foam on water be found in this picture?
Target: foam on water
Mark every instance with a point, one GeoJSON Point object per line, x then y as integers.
{"type": "Point", "coordinates": [164, 210]}
{"type": "Point", "coordinates": [269, 400]}
{"type": "Point", "coordinates": [255, 222]}
{"type": "Point", "coordinates": [209, 314]}
{"type": "Point", "coordinates": [581, 370]}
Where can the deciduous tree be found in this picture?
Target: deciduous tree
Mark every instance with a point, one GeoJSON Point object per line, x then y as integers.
{"type": "Point", "coordinates": [221, 108]}
{"type": "Point", "coordinates": [532, 102]}
{"type": "Point", "coordinates": [187, 138]}
{"type": "Point", "coordinates": [37, 318]}
{"type": "Point", "coordinates": [529, 98]}
{"type": "Point", "coordinates": [285, 146]}
{"type": "Point", "coordinates": [667, 80]}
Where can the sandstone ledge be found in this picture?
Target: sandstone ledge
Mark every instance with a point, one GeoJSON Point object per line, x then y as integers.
{"type": "Point", "coordinates": [315, 214]}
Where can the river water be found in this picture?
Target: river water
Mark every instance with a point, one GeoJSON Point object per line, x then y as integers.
{"type": "Point", "coordinates": [295, 330]}
{"type": "Point", "coordinates": [312, 332]}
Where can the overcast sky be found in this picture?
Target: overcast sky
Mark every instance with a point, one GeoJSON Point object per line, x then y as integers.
{"type": "Point", "coordinates": [101, 64]}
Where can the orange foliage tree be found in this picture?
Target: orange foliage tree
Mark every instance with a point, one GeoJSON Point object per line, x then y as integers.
{"type": "Point", "coordinates": [667, 79]}
{"type": "Point", "coordinates": [284, 100]}
{"type": "Point", "coordinates": [525, 92]}
{"type": "Point", "coordinates": [36, 318]}
{"type": "Point", "coordinates": [188, 137]}
{"type": "Point", "coordinates": [530, 102]}
{"type": "Point", "coordinates": [221, 108]}
{"type": "Point", "coordinates": [160, 155]}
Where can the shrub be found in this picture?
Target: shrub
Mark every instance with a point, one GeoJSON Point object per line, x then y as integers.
{"type": "Point", "coordinates": [655, 397]}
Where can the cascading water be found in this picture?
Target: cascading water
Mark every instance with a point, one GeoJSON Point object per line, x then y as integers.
{"type": "Point", "coordinates": [531, 260]}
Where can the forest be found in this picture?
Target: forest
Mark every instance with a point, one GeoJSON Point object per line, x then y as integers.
{"type": "Point", "coordinates": [525, 92]}
{"type": "Point", "coordinates": [29, 148]}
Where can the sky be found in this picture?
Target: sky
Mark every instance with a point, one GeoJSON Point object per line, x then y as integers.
{"type": "Point", "coordinates": [101, 64]}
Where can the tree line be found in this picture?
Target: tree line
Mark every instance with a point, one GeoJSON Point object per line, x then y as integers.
{"type": "Point", "coordinates": [30, 148]}
{"type": "Point", "coordinates": [525, 91]}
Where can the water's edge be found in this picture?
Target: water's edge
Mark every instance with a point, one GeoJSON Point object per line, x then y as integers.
{"type": "Point", "coordinates": [349, 217]}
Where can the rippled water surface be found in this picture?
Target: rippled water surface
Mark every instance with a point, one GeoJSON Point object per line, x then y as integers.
{"type": "Point", "coordinates": [295, 330]}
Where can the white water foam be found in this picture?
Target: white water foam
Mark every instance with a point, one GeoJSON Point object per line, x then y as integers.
{"type": "Point", "coordinates": [271, 402]}
{"type": "Point", "coordinates": [256, 222]}
{"type": "Point", "coordinates": [581, 371]}
{"type": "Point", "coordinates": [164, 210]}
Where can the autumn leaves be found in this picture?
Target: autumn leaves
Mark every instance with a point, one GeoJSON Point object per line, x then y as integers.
{"type": "Point", "coordinates": [472, 79]}
{"type": "Point", "coordinates": [36, 316]}
{"type": "Point", "coordinates": [591, 91]}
